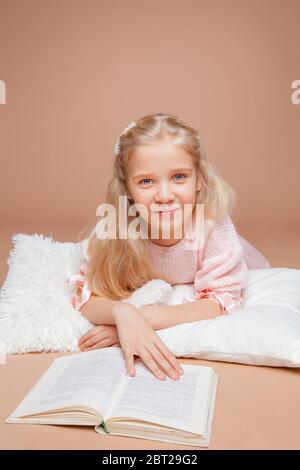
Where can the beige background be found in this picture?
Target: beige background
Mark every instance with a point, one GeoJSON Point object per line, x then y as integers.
{"type": "Point", "coordinates": [77, 72]}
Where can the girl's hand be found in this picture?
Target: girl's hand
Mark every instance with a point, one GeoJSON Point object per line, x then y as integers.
{"type": "Point", "coordinates": [101, 336]}
{"type": "Point", "coordinates": [137, 337]}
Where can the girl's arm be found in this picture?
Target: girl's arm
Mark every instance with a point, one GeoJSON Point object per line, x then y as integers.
{"type": "Point", "coordinates": [101, 311]}
{"type": "Point", "coordinates": [164, 316]}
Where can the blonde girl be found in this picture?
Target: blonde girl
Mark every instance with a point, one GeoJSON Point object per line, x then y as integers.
{"type": "Point", "coordinates": [160, 166]}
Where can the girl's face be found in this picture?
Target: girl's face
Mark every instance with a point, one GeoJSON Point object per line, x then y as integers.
{"type": "Point", "coordinates": [162, 175]}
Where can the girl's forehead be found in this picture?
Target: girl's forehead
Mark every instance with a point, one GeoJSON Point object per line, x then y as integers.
{"type": "Point", "coordinates": [159, 149]}
{"type": "Point", "coordinates": [159, 155]}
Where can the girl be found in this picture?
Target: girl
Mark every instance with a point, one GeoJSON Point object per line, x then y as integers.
{"type": "Point", "coordinates": [160, 163]}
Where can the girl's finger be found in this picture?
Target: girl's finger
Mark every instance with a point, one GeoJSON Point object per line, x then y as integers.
{"type": "Point", "coordinates": [163, 363]}
{"type": "Point", "coordinates": [130, 363]}
{"type": "Point", "coordinates": [88, 334]}
{"type": "Point", "coordinates": [151, 364]}
{"type": "Point", "coordinates": [95, 346]}
{"type": "Point", "coordinates": [169, 355]}
{"type": "Point", "coordinates": [90, 342]}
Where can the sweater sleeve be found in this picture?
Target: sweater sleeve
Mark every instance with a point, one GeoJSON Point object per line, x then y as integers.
{"type": "Point", "coordinates": [78, 281]}
{"type": "Point", "coordinates": [223, 274]}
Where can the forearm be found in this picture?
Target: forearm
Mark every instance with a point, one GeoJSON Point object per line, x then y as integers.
{"type": "Point", "coordinates": [100, 311]}
{"type": "Point", "coordinates": [164, 316]}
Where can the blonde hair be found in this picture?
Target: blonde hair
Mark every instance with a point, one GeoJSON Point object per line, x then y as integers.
{"type": "Point", "coordinates": [118, 266]}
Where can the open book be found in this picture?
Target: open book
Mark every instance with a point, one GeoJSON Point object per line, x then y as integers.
{"type": "Point", "coordinates": [93, 388]}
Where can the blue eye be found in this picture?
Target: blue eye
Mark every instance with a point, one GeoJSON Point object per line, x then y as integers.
{"type": "Point", "coordinates": [183, 176]}
{"type": "Point", "coordinates": [145, 179]}
{"type": "Point", "coordinates": [180, 174]}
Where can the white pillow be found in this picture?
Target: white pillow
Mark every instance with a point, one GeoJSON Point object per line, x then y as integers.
{"type": "Point", "coordinates": [35, 309]}
{"type": "Point", "coordinates": [266, 331]}
{"type": "Point", "coordinates": [36, 312]}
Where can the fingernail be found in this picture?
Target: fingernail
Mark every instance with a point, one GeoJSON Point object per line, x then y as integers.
{"type": "Point", "coordinates": [181, 371]}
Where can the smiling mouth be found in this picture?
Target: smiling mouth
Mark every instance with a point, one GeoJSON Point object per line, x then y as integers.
{"type": "Point", "coordinates": [168, 211]}
{"type": "Point", "coordinates": [167, 208]}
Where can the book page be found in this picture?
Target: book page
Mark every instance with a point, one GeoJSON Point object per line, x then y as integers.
{"type": "Point", "coordinates": [158, 433]}
{"type": "Point", "coordinates": [85, 379]}
{"type": "Point", "coordinates": [182, 404]}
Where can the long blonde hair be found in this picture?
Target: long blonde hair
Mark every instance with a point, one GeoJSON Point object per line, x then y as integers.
{"type": "Point", "coordinates": [119, 266]}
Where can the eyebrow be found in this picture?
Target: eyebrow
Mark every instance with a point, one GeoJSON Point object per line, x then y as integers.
{"type": "Point", "coordinates": [175, 170]}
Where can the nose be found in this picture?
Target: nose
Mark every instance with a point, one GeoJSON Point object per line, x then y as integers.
{"type": "Point", "coordinates": [164, 194]}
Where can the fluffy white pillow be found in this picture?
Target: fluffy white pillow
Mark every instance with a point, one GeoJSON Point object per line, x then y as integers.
{"type": "Point", "coordinates": [36, 313]}
{"type": "Point", "coordinates": [35, 309]}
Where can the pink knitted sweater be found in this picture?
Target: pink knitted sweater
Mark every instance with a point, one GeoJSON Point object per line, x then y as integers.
{"type": "Point", "coordinates": [218, 268]}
